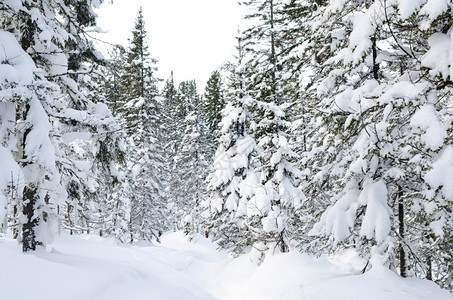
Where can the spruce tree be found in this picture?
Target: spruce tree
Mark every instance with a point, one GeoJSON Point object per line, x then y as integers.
{"type": "Point", "coordinates": [272, 43]}
{"type": "Point", "coordinates": [225, 210]}
{"type": "Point", "coordinates": [174, 114]}
{"type": "Point", "coordinates": [139, 80]}
{"type": "Point", "coordinates": [140, 108]}
{"type": "Point", "coordinates": [114, 71]}
{"type": "Point", "coordinates": [192, 167]}
{"type": "Point", "coordinates": [213, 101]}
{"type": "Point", "coordinates": [277, 196]}
{"type": "Point", "coordinates": [190, 161]}
{"type": "Point", "coordinates": [55, 108]}
{"type": "Point", "coordinates": [273, 209]}
{"type": "Point", "coordinates": [172, 129]}
{"type": "Point", "coordinates": [369, 151]}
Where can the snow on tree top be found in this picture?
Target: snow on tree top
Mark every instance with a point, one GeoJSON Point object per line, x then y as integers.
{"type": "Point", "coordinates": [434, 8]}
{"type": "Point", "coordinates": [13, 4]}
{"type": "Point", "coordinates": [408, 7]}
{"type": "Point", "coordinates": [16, 66]}
{"type": "Point", "coordinates": [438, 57]}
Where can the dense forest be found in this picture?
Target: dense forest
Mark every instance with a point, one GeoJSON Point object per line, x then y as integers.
{"type": "Point", "coordinates": [330, 128]}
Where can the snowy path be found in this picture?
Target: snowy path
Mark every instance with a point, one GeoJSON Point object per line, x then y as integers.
{"type": "Point", "coordinates": [90, 268]}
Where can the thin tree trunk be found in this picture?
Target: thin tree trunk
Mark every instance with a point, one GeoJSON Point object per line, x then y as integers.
{"type": "Point", "coordinates": [15, 229]}
{"type": "Point", "coordinates": [30, 201]}
{"type": "Point", "coordinates": [30, 196]}
{"type": "Point", "coordinates": [283, 246]}
{"type": "Point", "coordinates": [375, 63]}
{"type": "Point", "coordinates": [429, 272]}
{"type": "Point", "coordinates": [401, 229]}
{"type": "Point", "coordinates": [273, 59]}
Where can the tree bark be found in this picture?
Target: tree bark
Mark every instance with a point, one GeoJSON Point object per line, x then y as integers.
{"type": "Point", "coordinates": [375, 63]}
{"type": "Point", "coordinates": [429, 272]}
{"type": "Point", "coordinates": [30, 199]}
{"type": "Point", "coordinates": [401, 229]}
{"type": "Point", "coordinates": [30, 196]}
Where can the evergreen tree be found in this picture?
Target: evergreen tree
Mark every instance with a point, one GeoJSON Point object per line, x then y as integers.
{"type": "Point", "coordinates": [369, 153]}
{"type": "Point", "coordinates": [225, 210]}
{"type": "Point", "coordinates": [172, 132]}
{"type": "Point", "coordinates": [56, 105]}
{"type": "Point", "coordinates": [138, 79]}
{"type": "Point", "coordinates": [273, 208]}
{"type": "Point", "coordinates": [174, 113]}
{"type": "Point", "coordinates": [261, 41]}
{"type": "Point", "coordinates": [276, 195]}
{"type": "Point", "coordinates": [188, 98]}
{"type": "Point", "coordinates": [140, 108]}
{"type": "Point", "coordinates": [271, 44]}
{"type": "Point", "coordinates": [213, 102]}
{"type": "Point", "coordinates": [192, 167]}
{"type": "Point", "coordinates": [190, 161]}
{"type": "Point", "coordinates": [114, 71]}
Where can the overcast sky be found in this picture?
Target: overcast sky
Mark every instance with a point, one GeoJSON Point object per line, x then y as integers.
{"type": "Point", "coordinates": [190, 37]}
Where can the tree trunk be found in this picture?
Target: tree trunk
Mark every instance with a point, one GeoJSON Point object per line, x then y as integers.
{"type": "Point", "coordinates": [429, 272]}
{"type": "Point", "coordinates": [273, 58]}
{"type": "Point", "coordinates": [375, 63]}
{"type": "Point", "coordinates": [30, 196]}
{"type": "Point", "coordinates": [30, 200]}
{"type": "Point", "coordinates": [402, 253]}
{"type": "Point", "coordinates": [283, 246]}
{"type": "Point", "coordinates": [15, 229]}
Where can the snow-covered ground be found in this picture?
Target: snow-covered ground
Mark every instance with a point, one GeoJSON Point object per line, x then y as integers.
{"type": "Point", "coordinates": [89, 267]}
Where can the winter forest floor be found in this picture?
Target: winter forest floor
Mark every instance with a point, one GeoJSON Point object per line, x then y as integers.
{"type": "Point", "coordinates": [88, 267]}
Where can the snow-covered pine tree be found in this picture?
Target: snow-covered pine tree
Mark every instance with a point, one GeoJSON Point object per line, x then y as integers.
{"type": "Point", "coordinates": [273, 208]}
{"type": "Point", "coordinates": [174, 112]}
{"type": "Point", "coordinates": [95, 166]}
{"type": "Point", "coordinates": [138, 78]}
{"type": "Point", "coordinates": [113, 71]}
{"type": "Point", "coordinates": [28, 147]}
{"type": "Point", "coordinates": [213, 102]}
{"type": "Point", "coordinates": [113, 203]}
{"type": "Point", "coordinates": [190, 163]}
{"type": "Point", "coordinates": [53, 34]}
{"type": "Point", "coordinates": [260, 42]}
{"type": "Point", "coordinates": [428, 231]}
{"type": "Point", "coordinates": [172, 129]}
{"type": "Point", "coordinates": [139, 107]}
{"type": "Point", "coordinates": [369, 152]}
{"type": "Point", "coordinates": [346, 146]}
{"type": "Point", "coordinates": [192, 167]}
{"type": "Point", "coordinates": [271, 44]}
{"type": "Point", "coordinates": [225, 209]}
{"type": "Point", "coordinates": [276, 195]}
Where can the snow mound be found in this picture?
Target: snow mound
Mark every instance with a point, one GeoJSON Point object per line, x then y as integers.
{"type": "Point", "coordinates": [82, 268]}
{"type": "Point", "coordinates": [376, 284]}
{"type": "Point", "coordinates": [91, 268]}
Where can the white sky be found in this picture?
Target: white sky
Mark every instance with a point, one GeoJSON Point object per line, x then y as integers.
{"type": "Point", "coordinates": [190, 37]}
